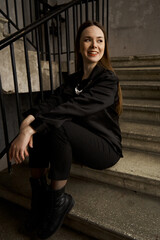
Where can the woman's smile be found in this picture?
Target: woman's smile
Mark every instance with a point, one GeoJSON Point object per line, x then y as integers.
{"type": "Point", "coordinates": [92, 53]}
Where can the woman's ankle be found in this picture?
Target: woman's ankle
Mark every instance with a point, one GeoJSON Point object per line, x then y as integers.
{"type": "Point", "coordinates": [58, 184]}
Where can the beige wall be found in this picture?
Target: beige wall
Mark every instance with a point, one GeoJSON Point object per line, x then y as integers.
{"type": "Point", "coordinates": [134, 27]}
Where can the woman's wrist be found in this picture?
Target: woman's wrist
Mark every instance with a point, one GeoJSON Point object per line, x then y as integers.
{"type": "Point", "coordinates": [28, 130]}
{"type": "Point", "coordinates": [29, 119]}
{"type": "Point", "coordinates": [26, 122]}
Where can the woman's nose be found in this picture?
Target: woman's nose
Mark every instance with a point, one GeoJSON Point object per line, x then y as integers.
{"type": "Point", "coordinates": [94, 44]}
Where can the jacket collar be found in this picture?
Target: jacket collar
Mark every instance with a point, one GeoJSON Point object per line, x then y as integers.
{"type": "Point", "coordinates": [97, 70]}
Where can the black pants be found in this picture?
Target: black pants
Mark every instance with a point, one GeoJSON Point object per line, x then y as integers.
{"type": "Point", "coordinates": [71, 141]}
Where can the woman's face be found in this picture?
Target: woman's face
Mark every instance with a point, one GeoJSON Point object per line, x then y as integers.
{"type": "Point", "coordinates": [92, 45]}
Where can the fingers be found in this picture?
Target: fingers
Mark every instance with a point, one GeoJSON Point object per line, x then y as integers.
{"type": "Point", "coordinates": [18, 150]}
{"type": "Point", "coordinates": [18, 155]}
{"type": "Point", "coordinates": [31, 142]}
{"type": "Point", "coordinates": [26, 153]}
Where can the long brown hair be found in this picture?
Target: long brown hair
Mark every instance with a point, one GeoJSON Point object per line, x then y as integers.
{"type": "Point", "coordinates": [104, 61]}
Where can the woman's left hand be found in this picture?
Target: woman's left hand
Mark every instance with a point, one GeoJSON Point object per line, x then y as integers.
{"type": "Point", "coordinates": [18, 150]}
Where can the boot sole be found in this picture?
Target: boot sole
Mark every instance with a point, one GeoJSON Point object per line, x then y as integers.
{"type": "Point", "coordinates": [72, 203]}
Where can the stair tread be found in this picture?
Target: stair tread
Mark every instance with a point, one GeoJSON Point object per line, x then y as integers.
{"type": "Point", "coordinates": [147, 69]}
{"type": "Point", "coordinates": [133, 58]}
{"type": "Point", "coordinates": [9, 224]}
{"type": "Point", "coordinates": [102, 208]}
{"type": "Point", "coordinates": [142, 103]}
{"type": "Point", "coordinates": [139, 166]}
{"type": "Point", "coordinates": [140, 129]}
{"type": "Point", "coordinates": [140, 83]}
{"type": "Point", "coordinates": [131, 162]}
{"type": "Point", "coordinates": [116, 210]}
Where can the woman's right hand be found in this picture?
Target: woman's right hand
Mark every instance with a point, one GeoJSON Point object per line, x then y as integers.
{"type": "Point", "coordinates": [26, 122]}
{"type": "Point", "coordinates": [18, 150]}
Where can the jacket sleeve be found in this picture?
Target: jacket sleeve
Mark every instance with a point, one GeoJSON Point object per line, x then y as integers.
{"type": "Point", "coordinates": [94, 99]}
{"type": "Point", "coordinates": [46, 106]}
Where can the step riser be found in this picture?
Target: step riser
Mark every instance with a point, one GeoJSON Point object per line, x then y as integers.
{"type": "Point", "coordinates": [138, 76]}
{"type": "Point", "coordinates": [140, 144]}
{"type": "Point", "coordinates": [71, 221]}
{"type": "Point", "coordinates": [91, 230]}
{"type": "Point", "coordinates": [133, 183]}
{"type": "Point", "coordinates": [140, 116]}
{"type": "Point", "coordinates": [126, 64]}
{"type": "Point", "coordinates": [140, 93]}
{"type": "Point", "coordinates": [136, 61]}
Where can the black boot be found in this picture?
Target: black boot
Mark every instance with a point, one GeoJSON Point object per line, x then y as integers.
{"type": "Point", "coordinates": [59, 204]}
{"type": "Point", "coordinates": [39, 189]}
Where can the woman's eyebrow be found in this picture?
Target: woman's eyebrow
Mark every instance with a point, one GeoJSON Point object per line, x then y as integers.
{"type": "Point", "coordinates": [91, 37]}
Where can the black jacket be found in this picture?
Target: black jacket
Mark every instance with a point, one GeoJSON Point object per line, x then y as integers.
{"type": "Point", "coordinates": [94, 107]}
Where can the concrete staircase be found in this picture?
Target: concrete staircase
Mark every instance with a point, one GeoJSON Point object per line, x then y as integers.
{"type": "Point", "coordinates": [121, 202]}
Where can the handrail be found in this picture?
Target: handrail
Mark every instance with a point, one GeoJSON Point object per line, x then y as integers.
{"type": "Point", "coordinates": [15, 26]}
{"type": "Point", "coordinates": [22, 32]}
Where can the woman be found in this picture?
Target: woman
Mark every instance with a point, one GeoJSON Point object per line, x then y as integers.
{"type": "Point", "coordinates": [79, 121]}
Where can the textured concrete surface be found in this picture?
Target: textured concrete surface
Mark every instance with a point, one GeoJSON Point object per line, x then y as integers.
{"type": "Point", "coordinates": [138, 73]}
{"type": "Point", "coordinates": [134, 27]}
{"type": "Point", "coordinates": [137, 171]}
{"type": "Point", "coordinates": [102, 211]}
{"type": "Point", "coordinates": [126, 213]}
{"type": "Point", "coordinates": [12, 218]}
{"type": "Point", "coordinates": [136, 61]}
{"type": "Point", "coordinates": [141, 136]}
{"type": "Point", "coordinates": [141, 110]}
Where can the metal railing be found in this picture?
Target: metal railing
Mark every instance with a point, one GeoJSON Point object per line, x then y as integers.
{"type": "Point", "coordinates": [60, 38]}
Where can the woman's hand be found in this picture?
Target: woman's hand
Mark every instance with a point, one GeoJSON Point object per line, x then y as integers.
{"type": "Point", "coordinates": [26, 122]}
{"type": "Point", "coordinates": [18, 150]}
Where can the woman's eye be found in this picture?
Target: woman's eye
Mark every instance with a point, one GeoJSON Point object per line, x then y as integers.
{"type": "Point", "coordinates": [87, 40]}
{"type": "Point", "coordinates": [100, 40]}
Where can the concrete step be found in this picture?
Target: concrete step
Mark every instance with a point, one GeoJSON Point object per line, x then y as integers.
{"type": "Point", "coordinates": [140, 136]}
{"type": "Point", "coordinates": [139, 73]}
{"type": "Point", "coordinates": [101, 211]}
{"type": "Point", "coordinates": [141, 89]}
{"type": "Point", "coordinates": [136, 61]}
{"type": "Point", "coordinates": [11, 227]}
{"type": "Point", "coordinates": [137, 171]}
{"type": "Point", "coordinates": [141, 110]}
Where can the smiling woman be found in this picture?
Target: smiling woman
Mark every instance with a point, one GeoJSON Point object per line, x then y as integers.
{"type": "Point", "coordinates": [79, 121]}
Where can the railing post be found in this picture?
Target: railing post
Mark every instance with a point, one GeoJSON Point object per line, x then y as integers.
{"type": "Point", "coordinates": [86, 8]}
{"type": "Point", "coordinates": [15, 9]}
{"type": "Point", "coordinates": [59, 51]}
{"type": "Point", "coordinates": [31, 17]}
{"type": "Point", "coordinates": [81, 12]}
{"type": "Point", "coordinates": [67, 41]}
{"type": "Point", "coordinates": [97, 10]}
{"type": "Point", "coordinates": [15, 82]}
{"type": "Point", "coordinates": [53, 36]}
{"type": "Point", "coordinates": [7, 8]}
{"type": "Point", "coordinates": [5, 128]}
{"type": "Point", "coordinates": [39, 64]}
{"type": "Point", "coordinates": [28, 71]}
{"type": "Point", "coordinates": [49, 57]}
{"type": "Point", "coordinates": [92, 9]}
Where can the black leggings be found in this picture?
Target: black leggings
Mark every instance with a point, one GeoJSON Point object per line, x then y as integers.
{"type": "Point", "coordinates": [71, 141]}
